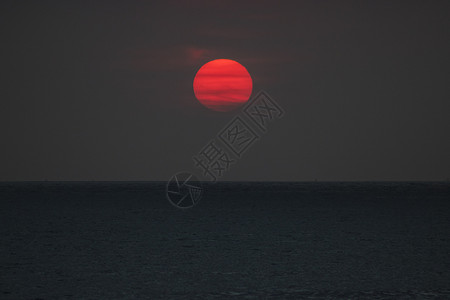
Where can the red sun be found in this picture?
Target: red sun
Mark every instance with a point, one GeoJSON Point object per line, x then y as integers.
{"type": "Point", "coordinates": [222, 85]}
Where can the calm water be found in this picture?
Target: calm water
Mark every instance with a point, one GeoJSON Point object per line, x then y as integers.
{"type": "Point", "coordinates": [249, 240]}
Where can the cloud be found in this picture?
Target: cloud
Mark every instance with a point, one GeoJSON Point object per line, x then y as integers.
{"type": "Point", "coordinates": [164, 59]}
{"type": "Point", "coordinates": [195, 55]}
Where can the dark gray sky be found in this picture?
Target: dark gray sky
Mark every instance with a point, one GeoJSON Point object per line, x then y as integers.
{"type": "Point", "coordinates": [103, 90]}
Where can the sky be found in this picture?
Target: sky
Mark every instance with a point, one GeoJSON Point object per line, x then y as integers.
{"type": "Point", "coordinates": [102, 90]}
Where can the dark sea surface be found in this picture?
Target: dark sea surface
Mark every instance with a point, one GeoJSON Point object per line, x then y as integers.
{"type": "Point", "coordinates": [124, 240]}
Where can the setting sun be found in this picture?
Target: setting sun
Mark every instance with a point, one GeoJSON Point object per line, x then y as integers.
{"type": "Point", "coordinates": [223, 85]}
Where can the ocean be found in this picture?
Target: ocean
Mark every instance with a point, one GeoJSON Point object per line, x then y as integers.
{"type": "Point", "coordinates": [249, 240]}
